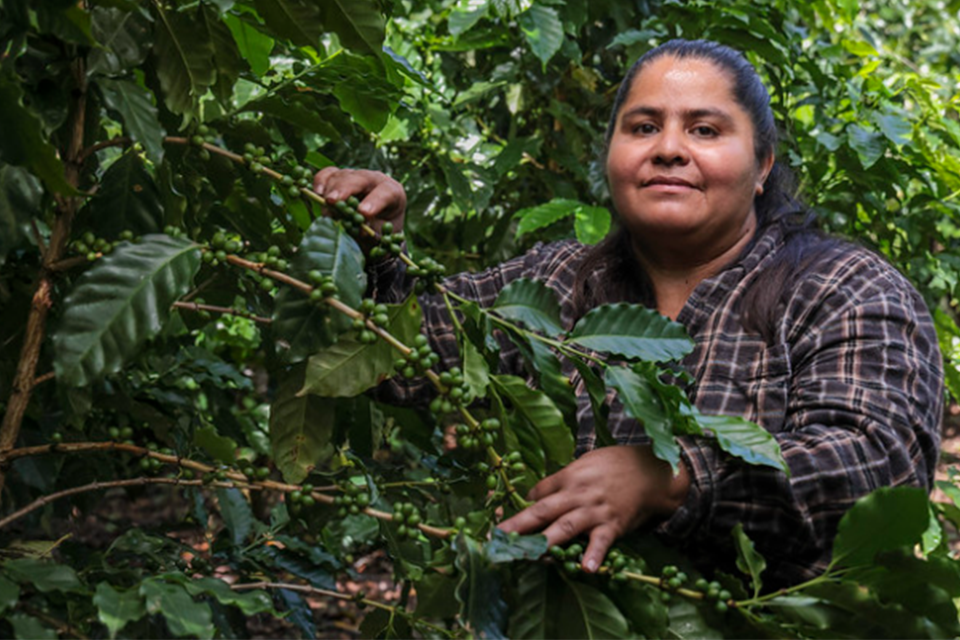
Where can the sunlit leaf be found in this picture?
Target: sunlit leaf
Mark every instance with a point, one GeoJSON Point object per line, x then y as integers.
{"type": "Point", "coordinates": [543, 30]}
{"type": "Point", "coordinates": [138, 114]}
{"type": "Point", "coordinates": [745, 440]}
{"type": "Point", "coordinates": [749, 560]}
{"type": "Point", "coordinates": [591, 224]}
{"type": "Point", "coordinates": [254, 46]}
{"type": "Point", "coordinates": [543, 215]}
{"type": "Point", "coordinates": [115, 609]}
{"type": "Point", "coordinates": [184, 615]}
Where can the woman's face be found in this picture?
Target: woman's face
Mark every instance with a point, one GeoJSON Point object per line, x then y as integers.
{"type": "Point", "coordinates": [681, 163]}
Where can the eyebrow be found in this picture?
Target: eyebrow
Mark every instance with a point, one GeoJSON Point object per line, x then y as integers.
{"type": "Point", "coordinates": [690, 114]}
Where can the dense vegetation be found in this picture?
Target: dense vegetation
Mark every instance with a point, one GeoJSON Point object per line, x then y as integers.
{"type": "Point", "coordinates": [179, 319]}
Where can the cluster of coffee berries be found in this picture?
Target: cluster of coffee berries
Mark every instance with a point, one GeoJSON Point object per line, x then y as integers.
{"type": "Point", "coordinates": [252, 471]}
{"type": "Point", "coordinates": [617, 565]}
{"type": "Point", "coordinates": [569, 557]}
{"type": "Point", "coordinates": [455, 392]}
{"type": "Point", "coordinates": [485, 434]}
{"type": "Point", "coordinates": [353, 499]}
{"type": "Point", "coordinates": [117, 434]}
{"type": "Point", "coordinates": [428, 273]}
{"type": "Point", "coordinates": [390, 243]}
{"type": "Point", "coordinates": [349, 217]}
{"type": "Point", "coordinates": [323, 286]}
{"type": "Point", "coordinates": [714, 592]}
{"type": "Point", "coordinates": [420, 359]}
{"type": "Point", "coordinates": [203, 135]}
{"type": "Point", "coordinates": [296, 180]}
{"type": "Point", "coordinates": [255, 157]}
{"type": "Point", "coordinates": [375, 313]}
{"type": "Point", "coordinates": [150, 465]}
{"type": "Point", "coordinates": [93, 247]}
{"type": "Point", "coordinates": [220, 247]}
{"type": "Point", "coordinates": [407, 518]}
{"type": "Point", "coordinates": [300, 498]}
{"type": "Point", "coordinates": [173, 231]}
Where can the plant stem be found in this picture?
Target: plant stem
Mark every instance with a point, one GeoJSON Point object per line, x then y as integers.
{"type": "Point", "coordinates": [186, 463]}
{"type": "Point", "coordinates": [99, 486]}
{"type": "Point", "coordinates": [196, 306]}
{"type": "Point", "coordinates": [23, 382]}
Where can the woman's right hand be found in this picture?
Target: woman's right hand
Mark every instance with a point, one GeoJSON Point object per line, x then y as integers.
{"type": "Point", "coordinates": [382, 199]}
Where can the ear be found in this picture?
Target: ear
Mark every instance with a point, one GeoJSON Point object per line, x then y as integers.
{"type": "Point", "coordinates": [766, 166]}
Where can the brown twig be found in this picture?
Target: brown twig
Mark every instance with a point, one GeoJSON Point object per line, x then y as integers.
{"type": "Point", "coordinates": [196, 306]}
{"type": "Point", "coordinates": [92, 149]}
{"type": "Point", "coordinates": [234, 476]}
{"type": "Point", "coordinates": [68, 263]}
{"type": "Point", "coordinates": [22, 386]}
{"type": "Point", "coordinates": [50, 375]}
{"type": "Point", "coordinates": [112, 484]}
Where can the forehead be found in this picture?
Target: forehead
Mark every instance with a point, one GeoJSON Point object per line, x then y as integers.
{"type": "Point", "coordinates": [689, 82]}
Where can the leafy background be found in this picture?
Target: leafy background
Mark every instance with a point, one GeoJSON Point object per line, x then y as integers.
{"type": "Point", "coordinates": [491, 114]}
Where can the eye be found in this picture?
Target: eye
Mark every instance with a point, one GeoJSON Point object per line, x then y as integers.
{"type": "Point", "coordinates": [705, 131]}
{"type": "Point", "coordinates": [644, 128]}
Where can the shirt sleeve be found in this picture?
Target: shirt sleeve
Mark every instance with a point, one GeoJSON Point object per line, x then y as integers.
{"type": "Point", "coordinates": [864, 409]}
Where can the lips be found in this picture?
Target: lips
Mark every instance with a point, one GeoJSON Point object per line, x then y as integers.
{"type": "Point", "coordinates": [668, 181]}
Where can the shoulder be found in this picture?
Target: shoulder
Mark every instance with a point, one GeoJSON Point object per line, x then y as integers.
{"type": "Point", "coordinates": [843, 282]}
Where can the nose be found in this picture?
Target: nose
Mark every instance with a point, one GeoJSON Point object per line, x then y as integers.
{"type": "Point", "coordinates": [671, 147]}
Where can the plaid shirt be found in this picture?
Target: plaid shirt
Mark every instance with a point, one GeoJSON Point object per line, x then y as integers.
{"type": "Point", "coordinates": [851, 388]}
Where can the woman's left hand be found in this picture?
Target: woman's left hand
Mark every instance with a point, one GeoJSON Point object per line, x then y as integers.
{"type": "Point", "coordinates": [605, 493]}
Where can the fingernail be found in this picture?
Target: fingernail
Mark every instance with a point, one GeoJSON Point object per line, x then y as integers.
{"type": "Point", "coordinates": [364, 208]}
{"type": "Point", "coordinates": [590, 565]}
{"type": "Point", "coordinates": [333, 195]}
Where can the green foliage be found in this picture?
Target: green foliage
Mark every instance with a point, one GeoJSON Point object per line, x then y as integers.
{"type": "Point", "coordinates": [155, 166]}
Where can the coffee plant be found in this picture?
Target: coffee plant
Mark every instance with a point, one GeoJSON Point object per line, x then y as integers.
{"type": "Point", "coordinates": [186, 324]}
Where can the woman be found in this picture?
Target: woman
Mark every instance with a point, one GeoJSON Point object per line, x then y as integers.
{"type": "Point", "coordinates": [819, 341]}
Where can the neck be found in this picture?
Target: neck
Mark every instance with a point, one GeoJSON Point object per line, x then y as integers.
{"type": "Point", "coordinates": [675, 271]}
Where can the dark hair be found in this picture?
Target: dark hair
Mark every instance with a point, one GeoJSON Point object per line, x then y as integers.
{"type": "Point", "coordinates": [623, 277]}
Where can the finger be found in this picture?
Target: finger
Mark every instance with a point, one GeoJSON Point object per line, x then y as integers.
{"type": "Point", "coordinates": [547, 487]}
{"type": "Point", "coordinates": [567, 527]}
{"type": "Point", "coordinates": [387, 199]}
{"type": "Point", "coordinates": [537, 516]}
{"type": "Point", "coordinates": [601, 539]}
{"type": "Point", "coordinates": [320, 179]}
{"type": "Point", "coordinates": [344, 183]}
